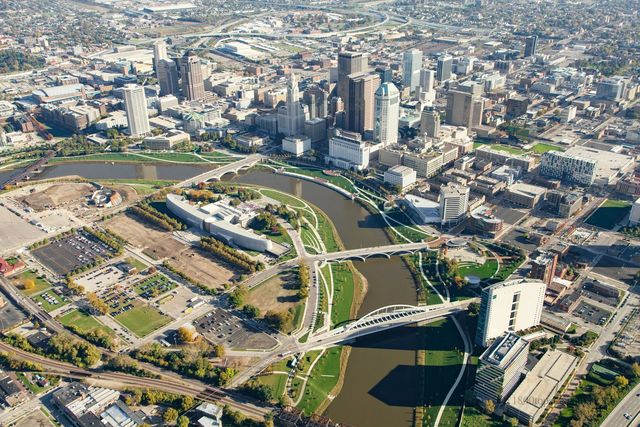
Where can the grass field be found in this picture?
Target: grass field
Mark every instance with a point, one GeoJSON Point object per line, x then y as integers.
{"type": "Point", "coordinates": [501, 147]}
{"type": "Point", "coordinates": [541, 148]}
{"type": "Point", "coordinates": [344, 284]}
{"type": "Point", "coordinates": [144, 157]}
{"type": "Point", "coordinates": [322, 381]}
{"type": "Point", "coordinates": [282, 198]}
{"type": "Point", "coordinates": [142, 320]}
{"type": "Point", "coordinates": [82, 321]}
{"type": "Point", "coordinates": [276, 382]}
{"type": "Point", "coordinates": [41, 284]}
{"type": "Point", "coordinates": [141, 266]}
{"type": "Point", "coordinates": [481, 271]}
{"type": "Point", "coordinates": [609, 214]}
{"type": "Point", "coordinates": [340, 181]}
{"type": "Point", "coordinates": [46, 305]}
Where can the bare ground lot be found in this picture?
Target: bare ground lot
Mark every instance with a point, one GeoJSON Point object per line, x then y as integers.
{"type": "Point", "coordinates": [159, 244]}
{"type": "Point", "coordinates": [277, 293]}
{"type": "Point", "coordinates": [201, 268]}
{"type": "Point", "coordinates": [35, 419]}
{"type": "Point", "coordinates": [58, 194]}
{"type": "Point", "coordinates": [16, 232]}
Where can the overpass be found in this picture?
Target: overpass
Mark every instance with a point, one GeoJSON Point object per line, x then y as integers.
{"type": "Point", "coordinates": [235, 167]}
{"type": "Point", "coordinates": [364, 253]}
{"type": "Point", "coordinates": [25, 174]}
{"type": "Point", "coordinates": [380, 320]}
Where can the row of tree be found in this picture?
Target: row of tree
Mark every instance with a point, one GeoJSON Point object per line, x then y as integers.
{"type": "Point", "coordinates": [230, 255]}
{"type": "Point", "coordinates": [114, 242]}
{"type": "Point", "coordinates": [162, 220]}
{"type": "Point", "coordinates": [62, 346]}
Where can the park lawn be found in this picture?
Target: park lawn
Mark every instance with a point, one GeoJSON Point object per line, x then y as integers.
{"type": "Point", "coordinates": [481, 271]}
{"type": "Point", "coordinates": [41, 283]}
{"type": "Point", "coordinates": [48, 307]}
{"type": "Point", "coordinates": [326, 232]}
{"type": "Point", "coordinates": [175, 157]}
{"type": "Point", "coordinates": [142, 320]}
{"type": "Point", "coordinates": [474, 418]}
{"type": "Point", "coordinates": [343, 292]}
{"type": "Point", "coordinates": [290, 201]}
{"type": "Point", "coordinates": [541, 148]}
{"type": "Point", "coordinates": [609, 214]}
{"type": "Point", "coordinates": [338, 180]}
{"type": "Point", "coordinates": [323, 379]}
{"type": "Point", "coordinates": [276, 382]}
{"type": "Point", "coordinates": [139, 265]}
{"type": "Point", "coordinates": [82, 321]}
{"type": "Point", "coordinates": [500, 147]}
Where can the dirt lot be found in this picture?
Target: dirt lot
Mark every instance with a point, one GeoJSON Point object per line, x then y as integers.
{"type": "Point", "coordinates": [57, 195]}
{"type": "Point", "coordinates": [35, 419]}
{"type": "Point", "coordinates": [156, 243]}
{"type": "Point", "coordinates": [277, 293]}
{"type": "Point", "coordinates": [201, 268]}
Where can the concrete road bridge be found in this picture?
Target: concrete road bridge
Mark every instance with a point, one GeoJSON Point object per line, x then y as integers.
{"type": "Point", "coordinates": [235, 167]}
{"type": "Point", "coordinates": [364, 253]}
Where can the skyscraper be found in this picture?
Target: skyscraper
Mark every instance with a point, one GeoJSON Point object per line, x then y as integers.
{"type": "Point", "coordinates": [513, 306]}
{"type": "Point", "coordinates": [454, 202]}
{"type": "Point", "coordinates": [191, 73]}
{"type": "Point", "coordinates": [359, 104]}
{"type": "Point", "coordinates": [387, 112]}
{"type": "Point", "coordinates": [412, 62]}
{"type": "Point", "coordinates": [444, 68]}
{"type": "Point", "coordinates": [135, 105]}
{"type": "Point", "coordinates": [316, 99]}
{"type": "Point", "coordinates": [530, 46]}
{"type": "Point", "coordinates": [349, 63]}
{"type": "Point", "coordinates": [159, 53]}
{"type": "Point", "coordinates": [430, 123]}
{"type": "Point", "coordinates": [167, 72]}
{"type": "Point", "coordinates": [464, 109]}
{"type": "Point", "coordinates": [291, 116]}
{"type": "Point", "coordinates": [426, 91]}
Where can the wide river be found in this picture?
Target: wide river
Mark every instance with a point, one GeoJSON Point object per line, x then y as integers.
{"type": "Point", "coordinates": [380, 382]}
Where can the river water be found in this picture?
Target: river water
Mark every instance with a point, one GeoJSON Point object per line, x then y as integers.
{"type": "Point", "coordinates": [380, 385]}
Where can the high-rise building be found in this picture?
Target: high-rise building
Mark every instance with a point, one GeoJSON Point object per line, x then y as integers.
{"type": "Point", "coordinates": [316, 99]}
{"type": "Point", "coordinates": [500, 368]}
{"type": "Point", "coordinates": [568, 167]}
{"type": "Point", "coordinates": [167, 72]}
{"type": "Point", "coordinates": [611, 89]}
{"type": "Point", "coordinates": [159, 53]}
{"type": "Point", "coordinates": [359, 104]}
{"type": "Point", "coordinates": [530, 46]}
{"type": "Point", "coordinates": [349, 63]}
{"type": "Point", "coordinates": [135, 105]}
{"type": "Point", "coordinates": [191, 73]}
{"type": "Point", "coordinates": [412, 63]}
{"type": "Point", "coordinates": [430, 123]}
{"type": "Point", "coordinates": [543, 267]}
{"type": "Point", "coordinates": [385, 73]}
{"type": "Point", "coordinates": [454, 203]}
{"type": "Point", "coordinates": [444, 68]}
{"type": "Point", "coordinates": [387, 114]}
{"type": "Point", "coordinates": [509, 306]}
{"type": "Point", "coordinates": [347, 150]}
{"type": "Point", "coordinates": [464, 109]}
{"type": "Point", "coordinates": [427, 92]}
{"type": "Point", "coordinates": [291, 116]}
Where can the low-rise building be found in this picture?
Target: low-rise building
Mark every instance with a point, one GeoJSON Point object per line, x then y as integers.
{"type": "Point", "coordinates": [484, 222]}
{"type": "Point", "coordinates": [166, 141]}
{"type": "Point", "coordinates": [347, 150]}
{"type": "Point", "coordinates": [423, 211]}
{"type": "Point", "coordinates": [296, 145]}
{"type": "Point", "coordinates": [400, 176]}
{"type": "Point", "coordinates": [525, 195]}
{"type": "Point", "coordinates": [524, 162]}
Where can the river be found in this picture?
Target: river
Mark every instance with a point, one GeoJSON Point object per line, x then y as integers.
{"type": "Point", "coordinates": [380, 384]}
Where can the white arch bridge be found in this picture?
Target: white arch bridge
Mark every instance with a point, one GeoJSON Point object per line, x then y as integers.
{"type": "Point", "coordinates": [235, 167]}
{"type": "Point", "coordinates": [382, 319]}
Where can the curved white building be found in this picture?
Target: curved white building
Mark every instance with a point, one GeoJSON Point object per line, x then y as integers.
{"type": "Point", "coordinates": [216, 219]}
{"type": "Point", "coordinates": [387, 113]}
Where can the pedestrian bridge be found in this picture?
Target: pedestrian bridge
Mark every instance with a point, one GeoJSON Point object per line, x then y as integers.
{"type": "Point", "coordinates": [364, 253]}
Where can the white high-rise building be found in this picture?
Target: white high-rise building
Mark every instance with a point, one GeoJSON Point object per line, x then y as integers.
{"type": "Point", "coordinates": [291, 116]}
{"type": "Point", "coordinates": [509, 306]}
{"type": "Point", "coordinates": [444, 68]}
{"type": "Point", "coordinates": [347, 150]}
{"type": "Point", "coordinates": [387, 112]}
{"type": "Point", "coordinates": [454, 203]}
{"type": "Point", "coordinates": [427, 92]}
{"type": "Point", "coordinates": [412, 62]}
{"type": "Point", "coordinates": [135, 105]}
{"type": "Point", "coordinates": [159, 53]}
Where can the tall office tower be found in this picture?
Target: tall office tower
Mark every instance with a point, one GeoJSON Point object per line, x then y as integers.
{"type": "Point", "coordinates": [412, 63]}
{"type": "Point", "coordinates": [501, 309]}
{"type": "Point", "coordinates": [168, 80]}
{"type": "Point", "coordinates": [191, 73]}
{"type": "Point", "coordinates": [454, 203]}
{"type": "Point", "coordinates": [430, 123]}
{"type": "Point", "coordinates": [385, 72]}
{"type": "Point", "coordinates": [316, 99]}
{"type": "Point", "coordinates": [159, 53]}
{"type": "Point", "coordinates": [135, 105]}
{"type": "Point", "coordinates": [611, 89]}
{"type": "Point", "coordinates": [500, 368]}
{"type": "Point", "coordinates": [444, 68]}
{"type": "Point", "coordinates": [530, 46]}
{"type": "Point", "coordinates": [336, 105]}
{"type": "Point", "coordinates": [464, 109]}
{"type": "Point", "coordinates": [291, 116]}
{"type": "Point", "coordinates": [427, 92]}
{"type": "Point", "coordinates": [359, 104]}
{"type": "Point", "coordinates": [543, 267]}
{"type": "Point", "coordinates": [387, 113]}
{"type": "Point", "coordinates": [349, 63]}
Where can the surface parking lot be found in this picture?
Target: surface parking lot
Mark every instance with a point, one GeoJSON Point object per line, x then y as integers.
{"type": "Point", "coordinates": [119, 299]}
{"type": "Point", "coordinates": [591, 313]}
{"type": "Point", "coordinates": [67, 254]}
{"type": "Point", "coordinates": [221, 327]}
{"type": "Point", "coordinates": [101, 278]}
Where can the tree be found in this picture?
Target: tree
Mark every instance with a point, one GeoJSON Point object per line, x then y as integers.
{"type": "Point", "coordinates": [186, 334]}
{"type": "Point", "coordinates": [513, 421]}
{"type": "Point", "coordinates": [635, 368]}
{"type": "Point", "coordinates": [183, 421]}
{"type": "Point", "coordinates": [621, 381]}
{"type": "Point", "coordinates": [226, 376]}
{"type": "Point", "coordinates": [474, 308]}
{"type": "Point", "coordinates": [170, 416]}
{"type": "Point", "coordinates": [585, 411]}
{"type": "Point", "coordinates": [489, 406]}
{"type": "Point", "coordinates": [251, 311]}
{"type": "Point", "coordinates": [28, 284]}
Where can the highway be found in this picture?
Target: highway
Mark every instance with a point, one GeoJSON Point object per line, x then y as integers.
{"type": "Point", "coordinates": [629, 405]}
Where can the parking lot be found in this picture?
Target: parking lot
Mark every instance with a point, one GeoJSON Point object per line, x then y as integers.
{"type": "Point", "coordinates": [119, 299]}
{"type": "Point", "coordinates": [154, 286]}
{"type": "Point", "coordinates": [101, 279]}
{"type": "Point", "coordinates": [591, 313]}
{"type": "Point", "coordinates": [67, 254]}
{"type": "Point", "coordinates": [221, 327]}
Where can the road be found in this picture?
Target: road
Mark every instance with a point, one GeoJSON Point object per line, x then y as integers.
{"type": "Point", "coordinates": [364, 253]}
{"type": "Point", "coordinates": [234, 167]}
{"type": "Point", "coordinates": [629, 405]}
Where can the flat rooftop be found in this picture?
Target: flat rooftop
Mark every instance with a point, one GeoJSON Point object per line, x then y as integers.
{"type": "Point", "coordinates": [609, 163]}
{"type": "Point", "coordinates": [504, 350]}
